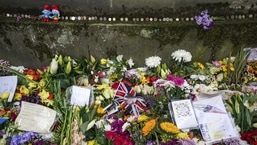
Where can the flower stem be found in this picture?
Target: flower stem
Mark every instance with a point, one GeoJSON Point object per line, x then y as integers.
{"type": "Point", "coordinates": [157, 140]}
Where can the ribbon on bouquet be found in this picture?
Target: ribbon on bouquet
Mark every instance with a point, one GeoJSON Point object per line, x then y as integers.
{"type": "Point", "coordinates": [127, 99]}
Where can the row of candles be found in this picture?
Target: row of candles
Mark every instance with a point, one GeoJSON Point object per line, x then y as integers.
{"type": "Point", "coordinates": [126, 19]}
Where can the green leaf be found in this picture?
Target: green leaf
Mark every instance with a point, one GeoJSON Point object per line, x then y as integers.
{"type": "Point", "coordinates": [90, 135]}
{"type": "Point", "coordinates": [248, 117]}
{"type": "Point", "coordinates": [229, 108]}
{"type": "Point", "coordinates": [83, 127]}
{"type": "Point", "coordinates": [237, 107]}
{"type": "Point", "coordinates": [92, 114]}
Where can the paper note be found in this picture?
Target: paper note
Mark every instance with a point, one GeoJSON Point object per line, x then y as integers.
{"type": "Point", "coordinates": [184, 114]}
{"type": "Point", "coordinates": [8, 84]}
{"type": "Point", "coordinates": [213, 119]}
{"type": "Point", "coordinates": [79, 96]}
{"type": "Point", "coordinates": [36, 118]}
{"type": "Point", "coordinates": [253, 55]}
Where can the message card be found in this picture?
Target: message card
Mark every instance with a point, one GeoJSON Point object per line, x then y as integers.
{"type": "Point", "coordinates": [184, 114]}
{"type": "Point", "coordinates": [79, 96]}
{"type": "Point", "coordinates": [36, 118]}
{"type": "Point", "coordinates": [8, 85]}
{"type": "Point", "coordinates": [213, 119]}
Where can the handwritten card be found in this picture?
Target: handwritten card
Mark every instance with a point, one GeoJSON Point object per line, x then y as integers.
{"type": "Point", "coordinates": [214, 122]}
{"type": "Point", "coordinates": [36, 118]}
{"type": "Point", "coordinates": [79, 96]}
{"type": "Point", "coordinates": [8, 84]}
{"type": "Point", "coordinates": [184, 114]}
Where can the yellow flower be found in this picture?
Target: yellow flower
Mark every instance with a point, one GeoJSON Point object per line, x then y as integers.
{"type": "Point", "coordinates": [17, 96]}
{"type": "Point", "coordinates": [5, 95]}
{"type": "Point", "coordinates": [142, 118]}
{"type": "Point", "coordinates": [92, 142]}
{"type": "Point", "coordinates": [42, 83]}
{"type": "Point", "coordinates": [30, 77]}
{"type": "Point", "coordinates": [169, 127]}
{"type": "Point", "coordinates": [182, 135]}
{"type": "Point", "coordinates": [24, 90]}
{"type": "Point", "coordinates": [32, 86]}
{"type": "Point", "coordinates": [144, 80]}
{"type": "Point", "coordinates": [48, 102]}
{"type": "Point", "coordinates": [232, 67]}
{"type": "Point", "coordinates": [44, 94]}
{"type": "Point", "coordinates": [103, 61]}
{"type": "Point", "coordinates": [149, 126]}
{"type": "Point", "coordinates": [201, 66]}
{"type": "Point", "coordinates": [103, 86]}
{"type": "Point", "coordinates": [224, 68]}
{"type": "Point", "coordinates": [100, 110]}
{"type": "Point", "coordinates": [113, 76]}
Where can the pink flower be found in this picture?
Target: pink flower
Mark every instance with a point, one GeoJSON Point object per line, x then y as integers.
{"type": "Point", "coordinates": [179, 81]}
{"type": "Point", "coordinates": [170, 77]}
{"type": "Point", "coordinates": [216, 63]}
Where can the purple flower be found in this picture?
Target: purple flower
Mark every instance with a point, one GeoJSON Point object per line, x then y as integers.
{"type": "Point", "coordinates": [18, 19]}
{"type": "Point", "coordinates": [151, 142]}
{"type": "Point", "coordinates": [204, 19]}
{"type": "Point", "coordinates": [192, 96]}
{"type": "Point", "coordinates": [32, 99]}
{"type": "Point", "coordinates": [21, 139]}
{"type": "Point", "coordinates": [171, 142]}
{"type": "Point", "coordinates": [186, 142]}
{"type": "Point", "coordinates": [117, 126]}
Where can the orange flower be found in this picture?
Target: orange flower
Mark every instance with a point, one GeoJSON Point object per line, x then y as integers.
{"type": "Point", "coordinates": [149, 126]}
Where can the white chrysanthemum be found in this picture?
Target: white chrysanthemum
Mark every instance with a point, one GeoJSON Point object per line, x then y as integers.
{"type": "Point", "coordinates": [153, 61]}
{"type": "Point", "coordinates": [182, 55]}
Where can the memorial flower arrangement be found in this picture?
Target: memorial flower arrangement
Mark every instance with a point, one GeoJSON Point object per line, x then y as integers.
{"type": "Point", "coordinates": [204, 19]}
{"type": "Point", "coordinates": [126, 105]}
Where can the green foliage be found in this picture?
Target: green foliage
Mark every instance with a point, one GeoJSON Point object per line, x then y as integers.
{"type": "Point", "coordinates": [240, 63]}
{"type": "Point", "coordinates": [243, 116]}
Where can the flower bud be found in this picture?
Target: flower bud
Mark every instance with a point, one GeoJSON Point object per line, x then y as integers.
{"type": "Point", "coordinates": [53, 66]}
{"type": "Point", "coordinates": [68, 68]}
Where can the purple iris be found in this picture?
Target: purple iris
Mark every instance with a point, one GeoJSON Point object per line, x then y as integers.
{"type": "Point", "coordinates": [204, 19]}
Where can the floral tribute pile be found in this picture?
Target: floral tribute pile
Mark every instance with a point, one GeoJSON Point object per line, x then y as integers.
{"type": "Point", "coordinates": [125, 105]}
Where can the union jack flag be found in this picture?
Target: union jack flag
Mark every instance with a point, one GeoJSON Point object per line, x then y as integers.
{"type": "Point", "coordinates": [128, 99]}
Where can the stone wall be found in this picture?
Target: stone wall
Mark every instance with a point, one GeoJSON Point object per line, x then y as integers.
{"type": "Point", "coordinates": [106, 6]}
{"type": "Point", "coordinates": [33, 44]}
